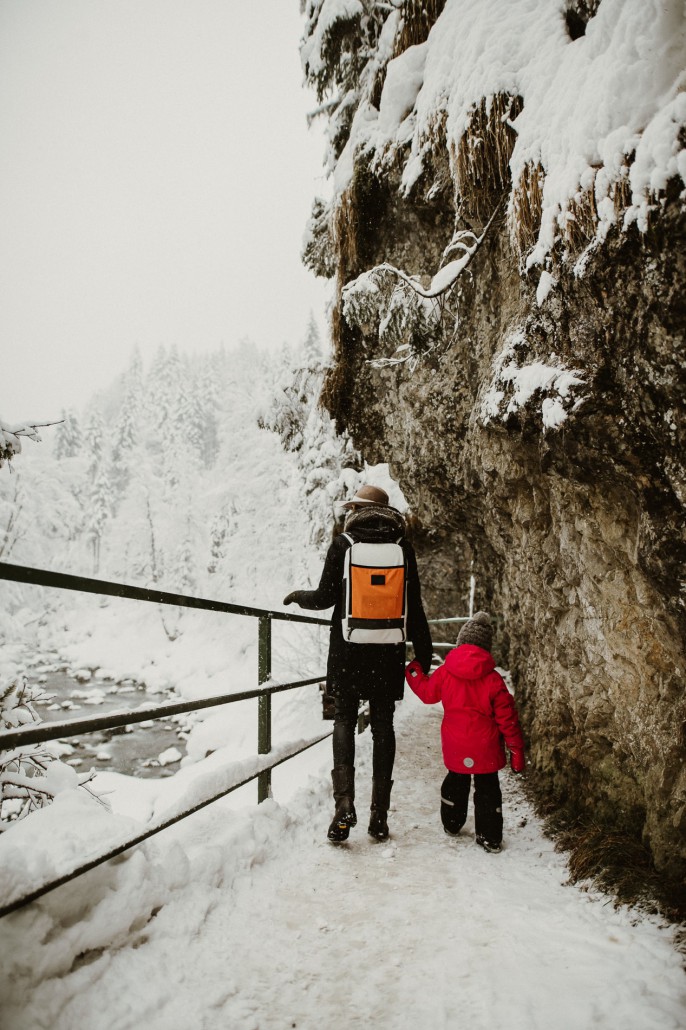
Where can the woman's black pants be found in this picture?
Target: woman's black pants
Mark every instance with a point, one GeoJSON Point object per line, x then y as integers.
{"type": "Point", "coordinates": [383, 734]}
{"type": "Point", "coordinates": [488, 804]}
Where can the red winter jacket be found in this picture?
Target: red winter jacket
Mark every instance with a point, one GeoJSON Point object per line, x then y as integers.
{"type": "Point", "coordinates": [479, 710]}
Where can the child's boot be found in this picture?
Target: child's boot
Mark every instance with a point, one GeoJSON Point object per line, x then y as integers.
{"type": "Point", "coordinates": [454, 798]}
{"type": "Point", "coordinates": [488, 812]}
{"type": "Point", "coordinates": [488, 845]}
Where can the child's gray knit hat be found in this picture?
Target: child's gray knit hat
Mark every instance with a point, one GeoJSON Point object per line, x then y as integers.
{"type": "Point", "coordinates": [477, 631]}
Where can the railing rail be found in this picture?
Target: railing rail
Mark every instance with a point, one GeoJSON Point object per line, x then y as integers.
{"type": "Point", "coordinates": [66, 581]}
{"type": "Point", "coordinates": [33, 734]}
{"type": "Point", "coordinates": [91, 863]}
{"type": "Point", "coordinates": [56, 730]}
{"type": "Point", "coordinates": [446, 645]}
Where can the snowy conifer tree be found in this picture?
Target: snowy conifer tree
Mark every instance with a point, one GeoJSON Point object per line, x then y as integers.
{"type": "Point", "coordinates": [328, 462]}
{"type": "Point", "coordinates": [223, 527]}
{"type": "Point", "coordinates": [128, 425]}
{"type": "Point", "coordinates": [95, 442]}
{"type": "Point", "coordinates": [312, 346]}
{"type": "Point", "coordinates": [11, 526]}
{"type": "Point", "coordinates": [99, 511]}
{"type": "Point", "coordinates": [68, 442]}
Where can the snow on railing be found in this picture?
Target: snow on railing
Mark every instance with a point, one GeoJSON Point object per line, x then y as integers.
{"type": "Point", "coordinates": [221, 782]}
{"type": "Point", "coordinates": [238, 774]}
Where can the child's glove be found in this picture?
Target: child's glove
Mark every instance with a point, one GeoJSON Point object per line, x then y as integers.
{"type": "Point", "coordinates": [517, 761]}
{"type": "Point", "coordinates": [413, 671]}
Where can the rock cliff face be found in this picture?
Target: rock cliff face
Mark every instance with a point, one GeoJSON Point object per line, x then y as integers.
{"type": "Point", "coordinates": [575, 536]}
{"type": "Point", "coordinates": [540, 439]}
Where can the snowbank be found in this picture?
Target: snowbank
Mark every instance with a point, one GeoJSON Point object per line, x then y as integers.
{"type": "Point", "coordinates": [246, 918]}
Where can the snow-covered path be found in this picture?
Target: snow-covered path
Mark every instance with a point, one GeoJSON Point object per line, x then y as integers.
{"type": "Point", "coordinates": [422, 931]}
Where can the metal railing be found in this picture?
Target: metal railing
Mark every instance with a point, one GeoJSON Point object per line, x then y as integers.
{"type": "Point", "coordinates": [38, 733]}
{"type": "Point", "coordinates": [57, 730]}
{"type": "Point", "coordinates": [64, 581]}
{"type": "Point", "coordinates": [446, 645]}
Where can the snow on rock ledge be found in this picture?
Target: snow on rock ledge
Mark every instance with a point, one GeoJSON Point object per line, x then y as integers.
{"type": "Point", "coordinates": [513, 386]}
{"type": "Point", "coordinates": [601, 111]}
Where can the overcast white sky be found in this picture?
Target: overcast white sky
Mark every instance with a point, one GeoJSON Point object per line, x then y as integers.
{"type": "Point", "coordinates": [156, 175]}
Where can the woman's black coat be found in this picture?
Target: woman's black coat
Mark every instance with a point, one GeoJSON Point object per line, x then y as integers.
{"type": "Point", "coordinates": [373, 671]}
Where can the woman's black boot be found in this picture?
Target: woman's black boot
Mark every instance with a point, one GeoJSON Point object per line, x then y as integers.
{"type": "Point", "coordinates": [381, 800]}
{"type": "Point", "coordinates": [343, 779]}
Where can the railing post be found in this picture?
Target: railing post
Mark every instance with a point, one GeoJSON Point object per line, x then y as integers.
{"type": "Point", "coordinates": [264, 704]}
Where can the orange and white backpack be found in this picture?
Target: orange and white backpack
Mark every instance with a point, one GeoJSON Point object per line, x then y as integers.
{"type": "Point", "coordinates": [374, 593]}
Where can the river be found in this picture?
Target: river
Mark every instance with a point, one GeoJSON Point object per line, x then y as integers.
{"type": "Point", "coordinates": [151, 749]}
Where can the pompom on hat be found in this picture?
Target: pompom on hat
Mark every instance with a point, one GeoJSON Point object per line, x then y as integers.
{"type": "Point", "coordinates": [478, 631]}
{"type": "Point", "coordinates": [368, 495]}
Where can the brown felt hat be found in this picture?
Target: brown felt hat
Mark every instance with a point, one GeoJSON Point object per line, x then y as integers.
{"type": "Point", "coordinates": [368, 495]}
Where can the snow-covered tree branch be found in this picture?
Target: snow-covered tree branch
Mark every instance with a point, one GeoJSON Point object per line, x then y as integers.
{"type": "Point", "coordinates": [30, 776]}
{"type": "Point", "coordinates": [411, 318]}
{"type": "Point", "coordinates": [10, 437]}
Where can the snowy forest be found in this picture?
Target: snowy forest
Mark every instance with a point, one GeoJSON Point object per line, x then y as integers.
{"type": "Point", "coordinates": [218, 476]}
{"type": "Point", "coordinates": [180, 430]}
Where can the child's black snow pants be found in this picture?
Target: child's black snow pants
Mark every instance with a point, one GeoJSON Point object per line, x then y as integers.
{"type": "Point", "coordinates": [488, 804]}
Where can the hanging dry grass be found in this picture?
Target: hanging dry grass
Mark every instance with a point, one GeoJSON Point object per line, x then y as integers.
{"type": "Point", "coordinates": [621, 196]}
{"type": "Point", "coordinates": [345, 226]}
{"type": "Point", "coordinates": [582, 214]}
{"type": "Point", "coordinates": [345, 238]}
{"type": "Point", "coordinates": [436, 131]}
{"type": "Point", "coordinates": [345, 234]}
{"type": "Point", "coordinates": [481, 157]}
{"type": "Point", "coordinates": [615, 862]}
{"type": "Point", "coordinates": [330, 396]}
{"type": "Point", "coordinates": [581, 221]}
{"type": "Point", "coordinates": [417, 19]}
{"type": "Point", "coordinates": [437, 175]}
{"type": "Point", "coordinates": [526, 207]}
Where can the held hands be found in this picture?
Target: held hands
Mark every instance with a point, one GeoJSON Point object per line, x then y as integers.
{"type": "Point", "coordinates": [413, 672]}
{"type": "Point", "coordinates": [517, 763]}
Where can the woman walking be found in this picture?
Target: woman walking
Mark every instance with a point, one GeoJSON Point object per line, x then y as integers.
{"type": "Point", "coordinates": [366, 670]}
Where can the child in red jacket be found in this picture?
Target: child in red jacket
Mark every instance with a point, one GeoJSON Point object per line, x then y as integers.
{"type": "Point", "coordinates": [479, 716]}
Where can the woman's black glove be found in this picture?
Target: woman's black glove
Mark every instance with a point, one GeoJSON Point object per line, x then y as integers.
{"type": "Point", "coordinates": [293, 596]}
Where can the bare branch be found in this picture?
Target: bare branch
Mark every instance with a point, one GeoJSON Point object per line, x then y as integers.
{"type": "Point", "coordinates": [29, 429]}
{"type": "Point", "coordinates": [21, 783]}
{"type": "Point", "coordinates": [454, 269]}
{"type": "Point", "coordinates": [10, 443]}
{"type": "Point", "coordinates": [409, 315]}
{"type": "Point", "coordinates": [325, 108]}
